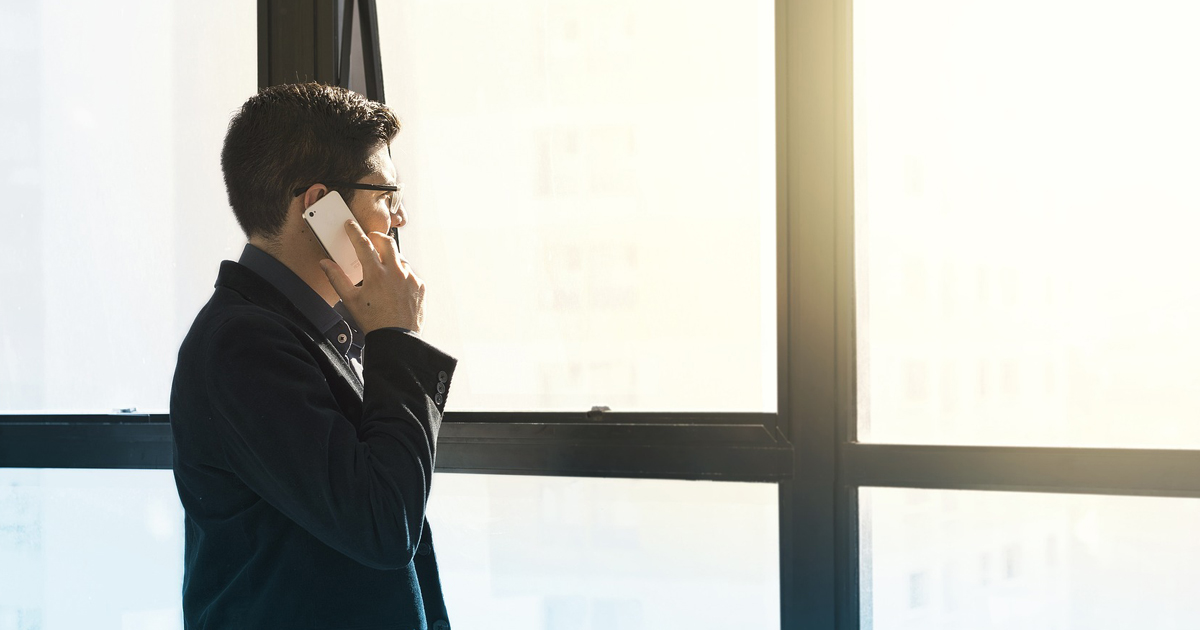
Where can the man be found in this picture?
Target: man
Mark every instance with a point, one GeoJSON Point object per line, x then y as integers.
{"type": "Point", "coordinates": [305, 410]}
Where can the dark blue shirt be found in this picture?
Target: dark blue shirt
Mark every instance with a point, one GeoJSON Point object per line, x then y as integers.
{"type": "Point", "coordinates": [335, 322]}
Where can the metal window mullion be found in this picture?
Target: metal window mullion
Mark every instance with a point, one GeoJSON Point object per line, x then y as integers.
{"type": "Point", "coordinates": [733, 447]}
{"type": "Point", "coordinates": [815, 513]}
{"type": "Point", "coordinates": [846, 538]}
{"type": "Point", "coordinates": [1134, 472]}
{"type": "Point", "coordinates": [347, 40]}
{"type": "Point", "coordinates": [372, 56]}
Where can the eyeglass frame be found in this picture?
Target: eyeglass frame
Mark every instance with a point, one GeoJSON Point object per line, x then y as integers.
{"type": "Point", "coordinates": [398, 189]}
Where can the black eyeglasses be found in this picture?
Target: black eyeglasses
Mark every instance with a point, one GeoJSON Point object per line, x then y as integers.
{"type": "Point", "coordinates": [393, 204]}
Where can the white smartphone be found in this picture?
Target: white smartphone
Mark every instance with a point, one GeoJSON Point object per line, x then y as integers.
{"type": "Point", "coordinates": [327, 219]}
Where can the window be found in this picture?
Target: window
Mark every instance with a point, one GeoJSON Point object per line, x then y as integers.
{"type": "Point", "coordinates": [1030, 172]}
{"type": "Point", "coordinates": [86, 548]}
{"type": "Point", "coordinates": [591, 193]}
{"type": "Point", "coordinates": [579, 553]}
{"type": "Point", "coordinates": [116, 210]}
{"type": "Point", "coordinates": [955, 404]}
{"type": "Point", "coordinates": [1128, 561]}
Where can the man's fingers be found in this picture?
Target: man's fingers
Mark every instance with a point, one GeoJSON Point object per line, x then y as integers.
{"type": "Point", "coordinates": [338, 278]}
{"type": "Point", "coordinates": [385, 246]}
{"type": "Point", "coordinates": [390, 253]}
{"type": "Point", "coordinates": [363, 246]}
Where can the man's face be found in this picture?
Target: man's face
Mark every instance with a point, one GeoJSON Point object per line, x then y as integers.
{"type": "Point", "coordinates": [371, 207]}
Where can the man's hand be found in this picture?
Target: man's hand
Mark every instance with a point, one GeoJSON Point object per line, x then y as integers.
{"type": "Point", "coordinates": [390, 295]}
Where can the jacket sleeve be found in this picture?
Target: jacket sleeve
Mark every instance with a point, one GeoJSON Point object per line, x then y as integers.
{"type": "Point", "coordinates": [361, 492]}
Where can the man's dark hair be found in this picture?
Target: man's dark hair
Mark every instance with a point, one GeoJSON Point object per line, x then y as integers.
{"type": "Point", "coordinates": [294, 135]}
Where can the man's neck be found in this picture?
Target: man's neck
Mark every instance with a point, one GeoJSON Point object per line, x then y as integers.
{"type": "Point", "coordinates": [303, 266]}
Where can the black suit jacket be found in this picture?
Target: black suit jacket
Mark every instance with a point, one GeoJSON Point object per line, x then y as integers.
{"type": "Point", "coordinates": [304, 489]}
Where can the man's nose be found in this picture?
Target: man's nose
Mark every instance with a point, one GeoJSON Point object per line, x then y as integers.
{"type": "Point", "coordinates": [400, 218]}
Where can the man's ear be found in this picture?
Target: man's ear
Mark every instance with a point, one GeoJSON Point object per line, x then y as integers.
{"type": "Point", "coordinates": [314, 194]}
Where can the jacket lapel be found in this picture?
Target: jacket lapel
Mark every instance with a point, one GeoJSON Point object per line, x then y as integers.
{"type": "Point", "coordinates": [257, 290]}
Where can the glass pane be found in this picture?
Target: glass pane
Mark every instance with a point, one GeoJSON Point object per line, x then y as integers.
{"type": "Point", "coordinates": [104, 549]}
{"type": "Point", "coordinates": [956, 559]}
{"type": "Point", "coordinates": [1026, 207]}
{"type": "Point", "coordinates": [115, 211]}
{"type": "Point", "coordinates": [561, 553]}
{"type": "Point", "coordinates": [585, 181]}
{"type": "Point", "coordinates": [85, 548]}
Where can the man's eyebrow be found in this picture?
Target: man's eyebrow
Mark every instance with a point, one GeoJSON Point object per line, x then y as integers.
{"type": "Point", "coordinates": [387, 181]}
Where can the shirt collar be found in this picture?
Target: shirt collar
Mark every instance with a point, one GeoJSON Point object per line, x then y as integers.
{"type": "Point", "coordinates": [314, 307]}
{"type": "Point", "coordinates": [341, 309]}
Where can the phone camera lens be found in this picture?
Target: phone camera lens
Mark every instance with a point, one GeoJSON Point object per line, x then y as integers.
{"type": "Point", "coordinates": [310, 214]}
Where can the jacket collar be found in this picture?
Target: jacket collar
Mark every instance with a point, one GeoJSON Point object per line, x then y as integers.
{"type": "Point", "coordinates": [296, 290]}
{"type": "Point", "coordinates": [257, 290]}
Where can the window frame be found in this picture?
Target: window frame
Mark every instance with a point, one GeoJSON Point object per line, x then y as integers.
{"type": "Point", "coordinates": [809, 448]}
{"type": "Point", "coordinates": [819, 535]}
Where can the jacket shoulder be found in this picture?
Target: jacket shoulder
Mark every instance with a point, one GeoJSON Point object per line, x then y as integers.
{"type": "Point", "coordinates": [228, 312]}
